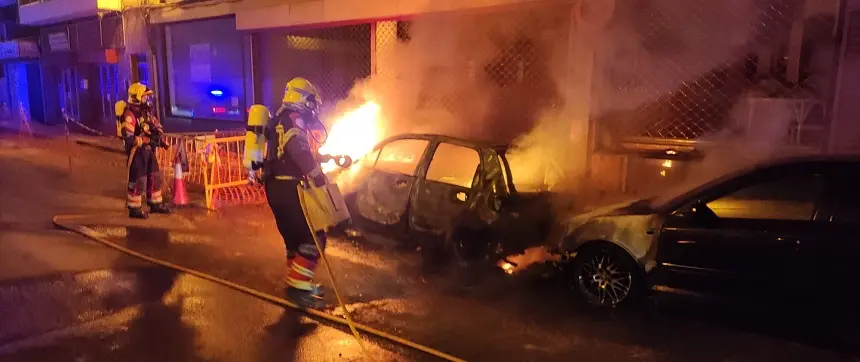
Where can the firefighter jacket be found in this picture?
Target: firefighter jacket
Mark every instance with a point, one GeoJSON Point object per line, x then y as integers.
{"type": "Point", "coordinates": [288, 150]}
{"type": "Point", "coordinates": [137, 126]}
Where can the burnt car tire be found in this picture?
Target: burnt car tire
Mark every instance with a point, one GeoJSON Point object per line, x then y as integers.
{"type": "Point", "coordinates": [604, 276]}
{"type": "Point", "coordinates": [468, 246]}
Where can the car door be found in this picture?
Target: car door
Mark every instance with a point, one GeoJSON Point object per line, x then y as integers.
{"type": "Point", "coordinates": [383, 197]}
{"type": "Point", "coordinates": [833, 260]}
{"type": "Point", "coordinates": [446, 189]}
{"type": "Point", "coordinates": [524, 219]}
{"type": "Point", "coordinates": [744, 238]}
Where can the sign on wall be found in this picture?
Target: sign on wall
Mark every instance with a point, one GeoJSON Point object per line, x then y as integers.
{"type": "Point", "coordinates": [59, 42]}
{"type": "Point", "coordinates": [8, 50]}
{"type": "Point", "coordinates": [15, 49]}
{"type": "Point", "coordinates": [28, 49]}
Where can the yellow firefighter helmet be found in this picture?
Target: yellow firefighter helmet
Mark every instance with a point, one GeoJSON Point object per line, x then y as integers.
{"type": "Point", "coordinates": [302, 95]}
{"type": "Point", "coordinates": [137, 93]}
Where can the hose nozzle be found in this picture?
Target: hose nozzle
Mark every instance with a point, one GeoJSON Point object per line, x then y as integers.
{"type": "Point", "coordinates": [343, 161]}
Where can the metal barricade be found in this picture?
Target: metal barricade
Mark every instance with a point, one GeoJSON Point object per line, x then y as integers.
{"type": "Point", "coordinates": [225, 179]}
{"type": "Point", "coordinates": [192, 144]}
{"type": "Point", "coordinates": [214, 163]}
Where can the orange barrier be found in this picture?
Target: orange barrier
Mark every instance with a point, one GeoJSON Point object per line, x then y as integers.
{"type": "Point", "coordinates": [214, 161]}
{"type": "Point", "coordinates": [225, 179]}
{"type": "Point", "coordinates": [191, 144]}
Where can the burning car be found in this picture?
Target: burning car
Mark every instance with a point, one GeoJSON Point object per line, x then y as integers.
{"type": "Point", "coordinates": [447, 194]}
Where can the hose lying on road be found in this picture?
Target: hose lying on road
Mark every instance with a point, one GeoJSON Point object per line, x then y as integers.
{"type": "Point", "coordinates": [328, 268]}
{"type": "Point", "coordinates": [66, 222]}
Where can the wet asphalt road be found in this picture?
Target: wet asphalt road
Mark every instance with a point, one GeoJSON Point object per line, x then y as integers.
{"type": "Point", "coordinates": [66, 298]}
{"type": "Point", "coordinates": [155, 314]}
{"type": "Point", "coordinates": [475, 314]}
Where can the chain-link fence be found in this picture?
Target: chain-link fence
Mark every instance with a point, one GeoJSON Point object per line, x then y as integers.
{"type": "Point", "coordinates": [687, 69]}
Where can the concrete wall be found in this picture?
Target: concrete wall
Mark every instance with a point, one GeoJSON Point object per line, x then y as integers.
{"type": "Point", "coordinates": [262, 14]}
{"type": "Point", "coordinates": [845, 126]}
{"type": "Point", "coordinates": [55, 11]}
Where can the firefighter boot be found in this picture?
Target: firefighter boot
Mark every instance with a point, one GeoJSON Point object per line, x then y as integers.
{"type": "Point", "coordinates": [136, 213]}
{"type": "Point", "coordinates": [159, 208]}
{"type": "Point", "coordinates": [306, 298]}
{"type": "Point", "coordinates": [317, 290]}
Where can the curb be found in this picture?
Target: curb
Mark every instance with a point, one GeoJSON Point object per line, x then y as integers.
{"type": "Point", "coordinates": [99, 146]}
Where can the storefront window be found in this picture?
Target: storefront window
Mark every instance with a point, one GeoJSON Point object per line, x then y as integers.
{"type": "Point", "coordinates": [205, 70]}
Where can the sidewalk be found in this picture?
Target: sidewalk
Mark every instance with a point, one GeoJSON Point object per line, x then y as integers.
{"type": "Point", "coordinates": [39, 130]}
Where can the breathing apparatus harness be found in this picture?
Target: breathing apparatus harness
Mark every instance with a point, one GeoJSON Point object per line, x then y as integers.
{"type": "Point", "coordinates": [344, 161]}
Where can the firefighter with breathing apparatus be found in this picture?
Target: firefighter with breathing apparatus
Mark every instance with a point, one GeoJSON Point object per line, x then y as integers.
{"type": "Point", "coordinates": [142, 134]}
{"type": "Point", "coordinates": [291, 171]}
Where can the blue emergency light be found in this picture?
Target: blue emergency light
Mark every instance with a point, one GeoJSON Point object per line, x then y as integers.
{"type": "Point", "coordinates": [216, 92]}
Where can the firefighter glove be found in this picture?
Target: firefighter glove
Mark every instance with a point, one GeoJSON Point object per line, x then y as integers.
{"type": "Point", "coordinates": [319, 180]}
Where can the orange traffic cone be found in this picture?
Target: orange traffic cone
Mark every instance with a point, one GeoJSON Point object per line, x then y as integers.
{"type": "Point", "coordinates": [180, 195]}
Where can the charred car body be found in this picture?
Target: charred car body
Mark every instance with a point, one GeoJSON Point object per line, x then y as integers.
{"type": "Point", "coordinates": [778, 231]}
{"type": "Point", "coordinates": [447, 194]}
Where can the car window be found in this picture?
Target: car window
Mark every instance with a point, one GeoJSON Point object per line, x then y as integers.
{"type": "Point", "coordinates": [786, 198]}
{"type": "Point", "coordinates": [454, 165]}
{"type": "Point", "coordinates": [505, 179]}
{"type": "Point", "coordinates": [401, 156]}
{"type": "Point", "coordinates": [494, 173]}
{"type": "Point", "coordinates": [846, 208]}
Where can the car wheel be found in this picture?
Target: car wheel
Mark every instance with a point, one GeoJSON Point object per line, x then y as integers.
{"type": "Point", "coordinates": [605, 276]}
{"type": "Point", "coordinates": [467, 247]}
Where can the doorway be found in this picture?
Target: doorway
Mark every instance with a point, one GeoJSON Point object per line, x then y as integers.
{"type": "Point", "coordinates": [68, 93]}
{"type": "Point", "coordinates": [23, 97]}
{"type": "Point", "coordinates": [110, 87]}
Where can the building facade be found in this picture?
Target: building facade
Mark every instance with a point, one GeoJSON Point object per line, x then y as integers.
{"type": "Point", "coordinates": [86, 59]}
{"type": "Point", "coordinates": [633, 83]}
{"type": "Point", "coordinates": [20, 76]}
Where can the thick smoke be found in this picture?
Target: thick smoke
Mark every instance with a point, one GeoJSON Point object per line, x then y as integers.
{"type": "Point", "coordinates": [551, 81]}
{"type": "Point", "coordinates": [477, 75]}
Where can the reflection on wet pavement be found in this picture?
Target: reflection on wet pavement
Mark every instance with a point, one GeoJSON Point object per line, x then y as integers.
{"type": "Point", "coordinates": [155, 314]}
{"type": "Point", "coordinates": [477, 313]}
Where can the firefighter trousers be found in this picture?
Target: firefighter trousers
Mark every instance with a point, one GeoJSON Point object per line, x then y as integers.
{"type": "Point", "coordinates": [302, 253]}
{"type": "Point", "coordinates": [144, 177]}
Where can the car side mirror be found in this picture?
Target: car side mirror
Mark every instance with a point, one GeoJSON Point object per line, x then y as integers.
{"type": "Point", "coordinates": [697, 211]}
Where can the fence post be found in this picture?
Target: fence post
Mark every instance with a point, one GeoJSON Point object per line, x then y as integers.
{"type": "Point", "coordinates": [579, 70]}
{"type": "Point", "coordinates": [24, 120]}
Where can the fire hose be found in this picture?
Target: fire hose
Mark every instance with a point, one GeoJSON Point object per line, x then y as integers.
{"type": "Point", "coordinates": [66, 222]}
{"type": "Point", "coordinates": [62, 221]}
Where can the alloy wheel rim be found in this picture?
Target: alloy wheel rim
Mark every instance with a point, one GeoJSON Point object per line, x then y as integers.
{"type": "Point", "coordinates": [605, 280]}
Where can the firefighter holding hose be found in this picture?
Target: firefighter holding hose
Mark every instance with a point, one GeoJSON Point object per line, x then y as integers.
{"type": "Point", "coordinates": [288, 164]}
{"type": "Point", "coordinates": [142, 134]}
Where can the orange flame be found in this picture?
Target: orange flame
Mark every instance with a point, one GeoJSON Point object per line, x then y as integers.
{"type": "Point", "coordinates": [353, 134]}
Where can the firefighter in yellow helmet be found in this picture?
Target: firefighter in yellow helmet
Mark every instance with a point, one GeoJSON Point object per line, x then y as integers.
{"type": "Point", "coordinates": [289, 160]}
{"type": "Point", "coordinates": [141, 132]}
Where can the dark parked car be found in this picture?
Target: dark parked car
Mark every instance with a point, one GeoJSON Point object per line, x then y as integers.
{"type": "Point", "coordinates": [785, 230]}
{"type": "Point", "coordinates": [446, 194]}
